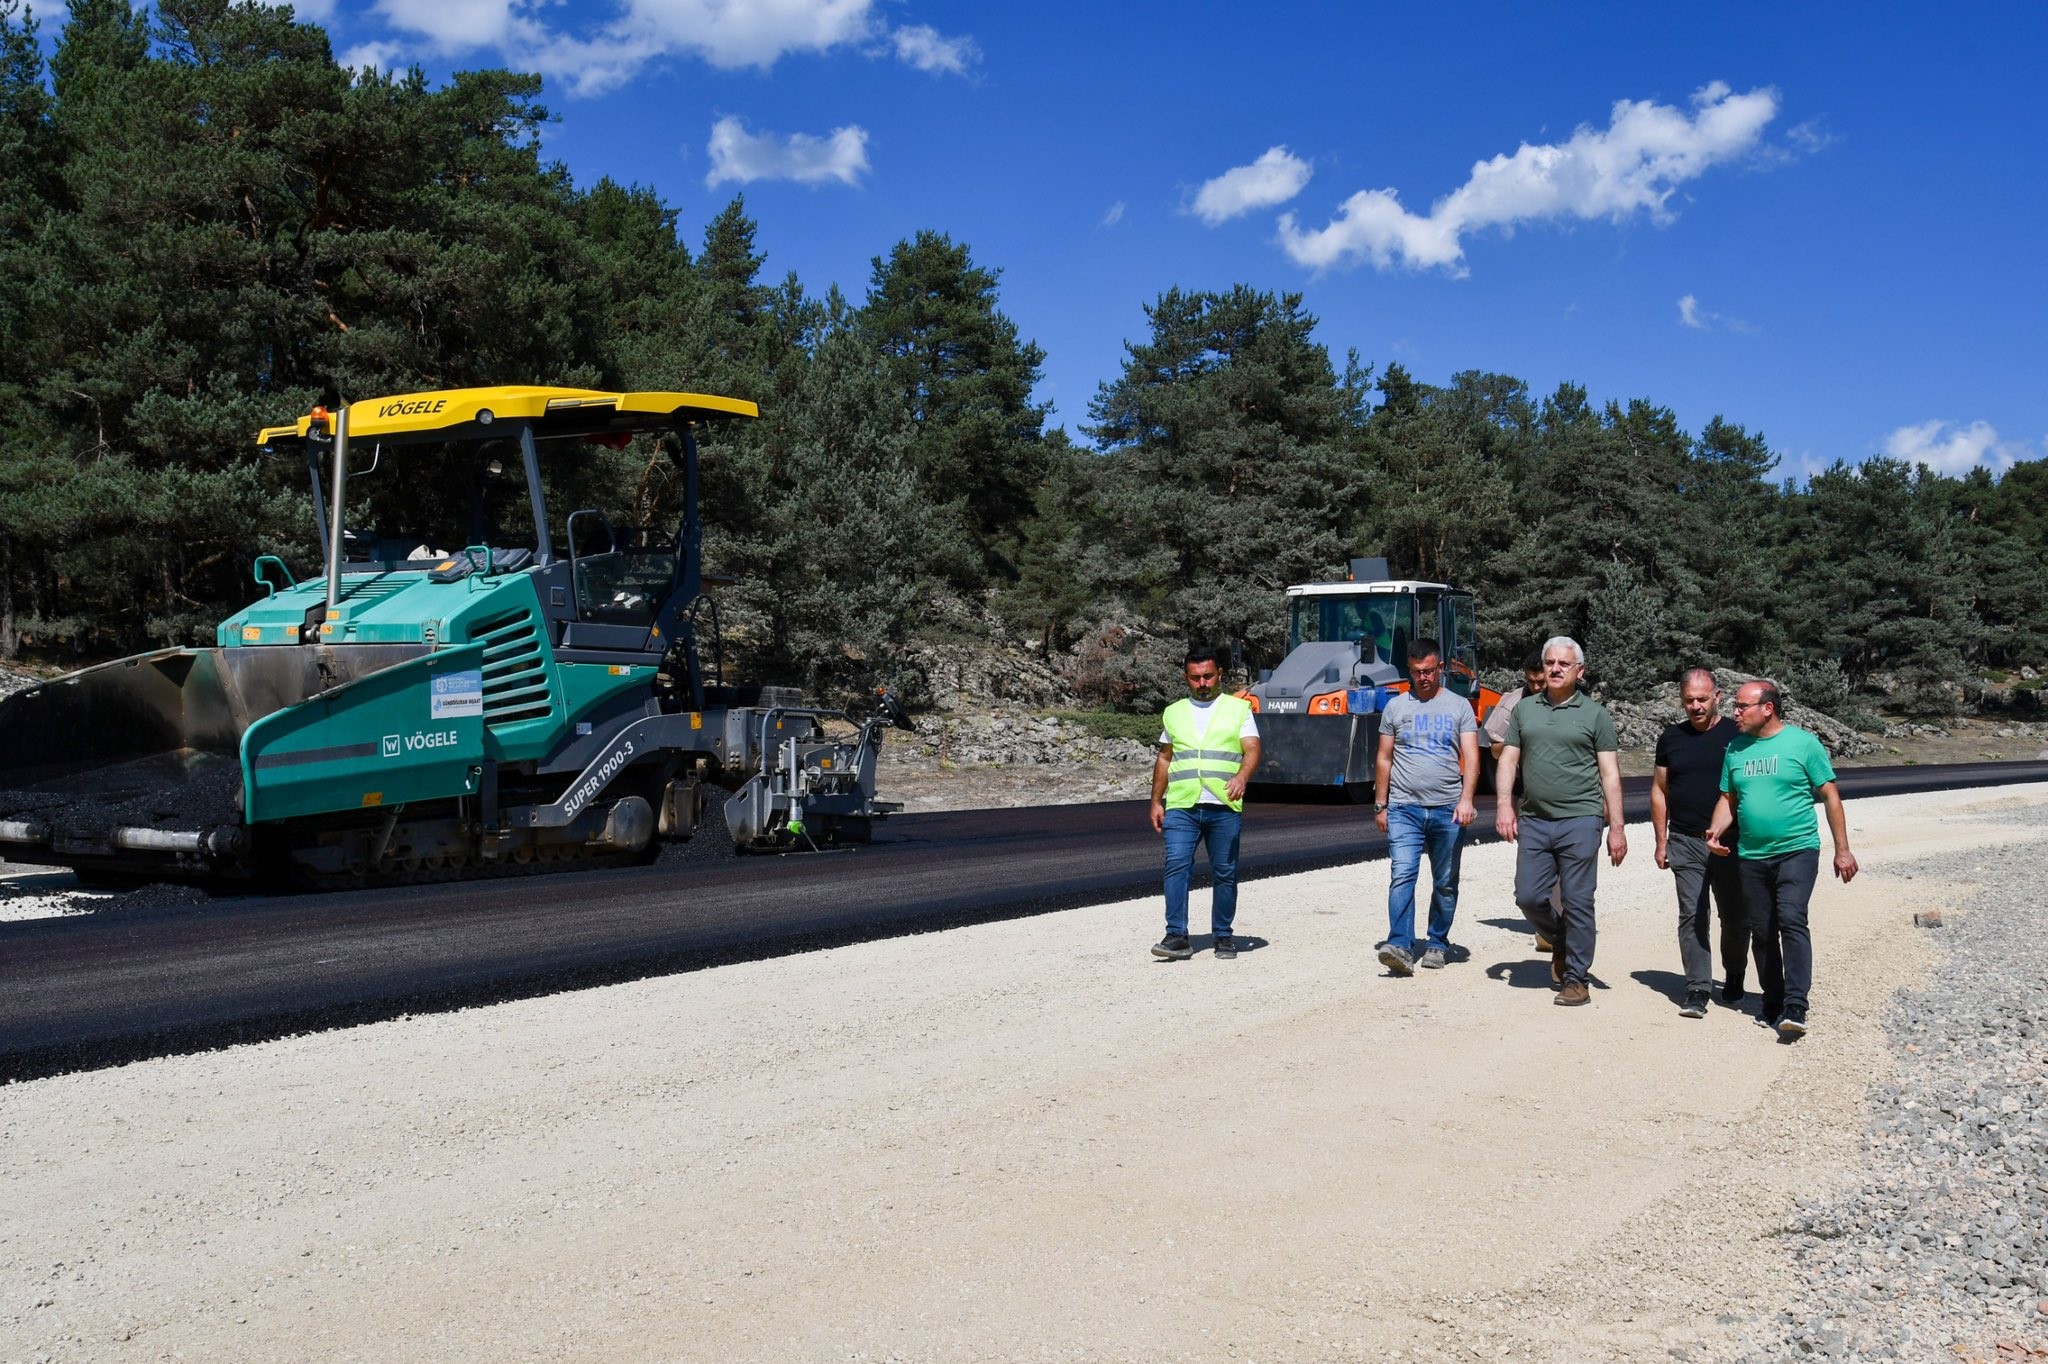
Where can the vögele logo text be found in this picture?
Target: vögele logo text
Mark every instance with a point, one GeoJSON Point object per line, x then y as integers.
{"type": "Point", "coordinates": [418, 740]}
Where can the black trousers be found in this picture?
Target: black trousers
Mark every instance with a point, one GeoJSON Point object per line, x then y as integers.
{"type": "Point", "coordinates": [1778, 889]}
{"type": "Point", "coordinates": [1699, 875]}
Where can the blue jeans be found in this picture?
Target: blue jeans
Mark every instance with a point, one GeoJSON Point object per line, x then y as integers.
{"type": "Point", "coordinates": [1411, 829]}
{"type": "Point", "coordinates": [1217, 826]}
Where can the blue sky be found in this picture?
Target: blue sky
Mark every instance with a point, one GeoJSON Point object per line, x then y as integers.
{"type": "Point", "coordinates": [1823, 222]}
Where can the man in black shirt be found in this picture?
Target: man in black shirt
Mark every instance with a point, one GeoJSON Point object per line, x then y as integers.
{"type": "Point", "coordinates": [1682, 797]}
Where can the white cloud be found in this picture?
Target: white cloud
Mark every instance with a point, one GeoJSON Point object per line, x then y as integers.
{"type": "Point", "coordinates": [382, 56]}
{"type": "Point", "coordinates": [925, 48]}
{"type": "Point", "coordinates": [1809, 137]}
{"type": "Point", "coordinates": [1274, 178]}
{"type": "Point", "coordinates": [737, 154]}
{"type": "Point", "coordinates": [1632, 166]}
{"type": "Point", "coordinates": [1690, 314]}
{"type": "Point", "coordinates": [736, 33]}
{"type": "Point", "coordinates": [454, 26]}
{"type": "Point", "coordinates": [592, 55]}
{"type": "Point", "coordinates": [1951, 449]}
{"type": "Point", "coordinates": [308, 11]}
{"type": "Point", "coordinates": [1115, 214]}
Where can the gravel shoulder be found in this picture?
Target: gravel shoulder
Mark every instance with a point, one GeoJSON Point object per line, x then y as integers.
{"type": "Point", "coordinates": [1023, 1140]}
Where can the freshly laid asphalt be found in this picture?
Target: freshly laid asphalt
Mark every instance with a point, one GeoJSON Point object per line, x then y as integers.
{"type": "Point", "coordinates": [86, 991]}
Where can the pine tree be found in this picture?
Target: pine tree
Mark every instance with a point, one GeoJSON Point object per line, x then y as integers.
{"type": "Point", "coordinates": [966, 378]}
{"type": "Point", "coordinates": [1230, 467]}
{"type": "Point", "coordinates": [1602, 488]}
{"type": "Point", "coordinates": [1442, 465]}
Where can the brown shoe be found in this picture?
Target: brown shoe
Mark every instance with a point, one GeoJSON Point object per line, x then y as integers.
{"type": "Point", "coordinates": [1557, 964]}
{"type": "Point", "coordinates": [1574, 993]}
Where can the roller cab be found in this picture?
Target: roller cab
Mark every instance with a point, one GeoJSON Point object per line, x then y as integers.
{"type": "Point", "coordinates": [1347, 656]}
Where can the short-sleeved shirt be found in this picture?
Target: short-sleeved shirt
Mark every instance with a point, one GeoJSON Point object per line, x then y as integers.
{"type": "Point", "coordinates": [1692, 762]}
{"type": "Point", "coordinates": [1426, 734]}
{"type": "Point", "coordinates": [1496, 726]}
{"type": "Point", "coordinates": [1774, 782]}
{"type": "Point", "coordinates": [1248, 730]}
{"type": "Point", "coordinates": [1560, 748]}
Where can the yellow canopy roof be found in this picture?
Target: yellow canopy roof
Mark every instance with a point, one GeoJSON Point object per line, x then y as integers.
{"type": "Point", "coordinates": [555, 412]}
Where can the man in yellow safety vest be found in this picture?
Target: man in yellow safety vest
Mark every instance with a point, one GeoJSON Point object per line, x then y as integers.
{"type": "Point", "coordinates": [1208, 749]}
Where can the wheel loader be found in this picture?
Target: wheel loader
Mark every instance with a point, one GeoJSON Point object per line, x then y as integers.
{"type": "Point", "coordinates": [1347, 656]}
{"type": "Point", "coordinates": [469, 687]}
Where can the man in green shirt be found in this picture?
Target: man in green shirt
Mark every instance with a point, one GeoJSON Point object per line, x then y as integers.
{"type": "Point", "coordinates": [1772, 775]}
{"type": "Point", "coordinates": [1563, 744]}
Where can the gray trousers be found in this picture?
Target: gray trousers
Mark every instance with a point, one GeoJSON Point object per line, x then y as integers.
{"type": "Point", "coordinates": [1561, 856]}
{"type": "Point", "coordinates": [1699, 873]}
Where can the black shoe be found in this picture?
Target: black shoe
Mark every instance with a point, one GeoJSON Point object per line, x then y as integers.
{"type": "Point", "coordinates": [1733, 994]}
{"type": "Point", "coordinates": [1226, 948]}
{"type": "Point", "coordinates": [1173, 947]}
{"type": "Point", "coordinates": [1695, 1005]}
{"type": "Point", "coordinates": [1793, 1024]}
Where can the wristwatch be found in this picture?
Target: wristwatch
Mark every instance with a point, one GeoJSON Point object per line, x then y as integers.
{"type": "Point", "coordinates": [1379, 807]}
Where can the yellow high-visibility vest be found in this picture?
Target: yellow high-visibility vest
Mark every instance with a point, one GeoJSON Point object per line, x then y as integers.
{"type": "Point", "coordinates": [1206, 750]}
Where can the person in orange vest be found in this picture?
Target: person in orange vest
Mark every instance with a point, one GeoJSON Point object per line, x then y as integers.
{"type": "Point", "coordinates": [1208, 750]}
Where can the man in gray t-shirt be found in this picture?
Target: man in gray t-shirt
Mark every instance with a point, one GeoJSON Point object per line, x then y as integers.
{"type": "Point", "coordinates": [1423, 784]}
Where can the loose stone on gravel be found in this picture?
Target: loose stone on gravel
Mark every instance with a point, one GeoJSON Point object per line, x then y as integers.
{"type": "Point", "coordinates": [1941, 1251]}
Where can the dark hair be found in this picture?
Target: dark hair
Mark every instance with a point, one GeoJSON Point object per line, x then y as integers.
{"type": "Point", "coordinates": [1424, 648]}
{"type": "Point", "coordinates": [1202, 653]}
{"type": "Point", "coordinates": [1768, 691]}
{"type": "Point", "coordinates": [1532, 662]}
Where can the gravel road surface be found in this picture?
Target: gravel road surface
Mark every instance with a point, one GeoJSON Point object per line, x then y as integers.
{"type": "Point", "coordinates": [1025, 1139]}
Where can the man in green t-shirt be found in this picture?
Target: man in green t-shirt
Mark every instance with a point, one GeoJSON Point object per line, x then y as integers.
{"type": "Point", "coordinates": [1772, 774]}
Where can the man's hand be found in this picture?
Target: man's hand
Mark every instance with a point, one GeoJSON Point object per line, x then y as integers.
{"type": "Point", "coordinates": [1507, 761]}
{"type": "Point", "coordinates": [1722, 821]}
{"type": "Point", "coordinates": [1663, 855]}
{"type": "Point", "coordinates": [1379, 820]}
{"type": "Point", "coordinates": [1838, 830]}
{"type": "Point", "coordinates": [1234, 788]}
{"type": "Point", "coordinates": [1158, 817]}
{"type": "Point", "coordinates": [1617, 845]}
{"type": "Point", "coordinates": [1466, 813]}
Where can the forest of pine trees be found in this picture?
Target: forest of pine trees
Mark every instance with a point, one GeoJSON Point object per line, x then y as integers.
{"type": "Point", "coordinates": [207, 226]}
